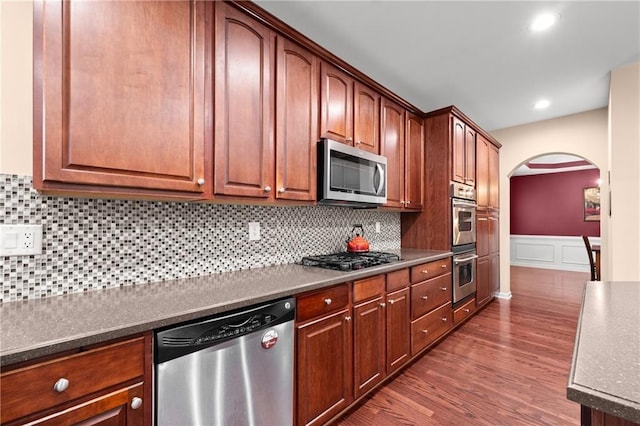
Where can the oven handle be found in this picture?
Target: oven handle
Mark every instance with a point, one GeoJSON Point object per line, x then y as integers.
{"type": "Point", "coordinates": [466, 259]}
{"type": "Point", "coordinates": [456, 202]}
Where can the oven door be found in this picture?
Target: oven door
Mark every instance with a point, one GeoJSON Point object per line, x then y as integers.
{"type": "Point", "coordinates": [463, 222]}
{"type": "Point", "coordinates": [464, 275]}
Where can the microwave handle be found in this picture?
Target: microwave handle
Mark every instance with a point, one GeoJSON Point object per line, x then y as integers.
{"type": "Point", "coordinates": [381, 184]}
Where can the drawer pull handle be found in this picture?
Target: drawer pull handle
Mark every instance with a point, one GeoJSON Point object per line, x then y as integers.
{"type": "Point", "coordinates": [424, 271]}
{"type": "Point", "coordinates": [61, 385]}
{"type": "Point", "coordinates": [424, 297]}
{"type": "Point", "coordinates": [425, 331]}
{"type": "Point", "coordinates": [443, 288]}
{"type": "Point", "coordinates": [444, 319]}
{"type": "Point", "coordinates": [391, 301]}
{"type": "Point", "coordinates": [347, 318]}
{"type": "Point", "coordinates": [136, 403]}
{"type": "Point", "coordinates": [328, 301]}
{"type": "Point", "coordinates": [383, 304]}
{"type": "Point", "coordinates": [467, 310]}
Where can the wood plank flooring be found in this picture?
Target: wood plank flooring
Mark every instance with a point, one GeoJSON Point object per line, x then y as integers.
{"type": "Point", "coordinates": [508, 365]}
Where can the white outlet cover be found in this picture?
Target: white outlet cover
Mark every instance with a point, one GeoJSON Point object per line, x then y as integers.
{"type": "Point", "coordinates": [254, 231]}
{"type": "Point", "coordinates": [20, 240]}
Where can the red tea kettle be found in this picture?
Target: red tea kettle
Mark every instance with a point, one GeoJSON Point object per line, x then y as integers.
{"type": "Point", "coordinates": [357, 243]}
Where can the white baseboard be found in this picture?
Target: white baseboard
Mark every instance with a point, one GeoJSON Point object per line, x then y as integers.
{"type": "Point", "coordinates": [550, 252]}
{"type": "Point", "coordinates": [502, 295]}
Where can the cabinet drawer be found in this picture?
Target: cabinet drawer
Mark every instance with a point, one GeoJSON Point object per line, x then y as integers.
{"type": "Point", "coordinates": [428, 295]}
{"type": "Point", "coordinates": [397, 280]}
{"type": "Point", "coordinates": [464, 311]}
{"type": "Point", "coordinates": [322, 302]}
{"type": "Point", "coordinates": [31, 389]}
{"type": "Point", "coordinates": [428, 328]}
{"type": "Point", "coordinates": [430, 270]}
{"type": "Point", "coordinates": [368, 288]}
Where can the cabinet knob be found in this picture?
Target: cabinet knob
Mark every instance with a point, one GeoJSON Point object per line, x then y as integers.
{"type": "Point", "coordinates": [408, 202]}
{"type": "Point", "coordinates": [402, 202]}
{"type": "Point", "coordinates": [349, 139]}
{"type": "Point", "coordinates": [328, 301]}
{"type": "Point", "coordinates": [443, 288]}
{"type": "Point", "coordinates": [200, 181]}
{"type": "Point", "coordinates": [383, 304]}
{"type": "Point", "coordinates": [467, 310]}
{"type": "Point", "coordinates": [136, 403]}
{"type": "Point", "coordinates": [443, 266]}
{"type": "Point", "coordinates": [61, 385]}
{"type": "Point", "coordinates": [347, 318]}
{"type": "Point", "coordinates": [281, 190]}
{"type": "Point", "coordinates": [358, 142]}
{"type": "Point", "coordinates": [391, 301]}
{"type": "Point", "coordinates": [267, 189]}
{"type": "Point", "coordinates": [424, 271]}
{"type": "Point", "coordinates": [425, 331]}
{"type": "Point", "coordinates": [424, 297]}
{"type": "Point", "coordinates": [444, 319]}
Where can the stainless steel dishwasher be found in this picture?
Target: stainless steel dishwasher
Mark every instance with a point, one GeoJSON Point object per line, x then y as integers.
{"type": "Point", "coordinates": [233, 369]}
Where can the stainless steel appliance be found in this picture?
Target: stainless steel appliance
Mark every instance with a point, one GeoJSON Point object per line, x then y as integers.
{"type": "Point", "coordinates": [350, 261]}
{"type": "Point", "coordinates": [348, 176]}
{"type": "Point", "coordinates": [234, 369]}
{"type": "Point", "coordinates": [464, 275]}
{"type": "Point", "coordinates": [463, 214]}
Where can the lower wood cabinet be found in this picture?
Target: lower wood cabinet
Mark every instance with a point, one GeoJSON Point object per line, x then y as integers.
{"type": "Point", "coordinates": [463, 312]}
{"type": "Point", "coordinates": [368, 344]}
{"type": "Point", "coordinates": [426, 329]}
{"type": "Point", "coordinates": [109, 384]}
{"type": "Point", "coordinates": [398, 329]}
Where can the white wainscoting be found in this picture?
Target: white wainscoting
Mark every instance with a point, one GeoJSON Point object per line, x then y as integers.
{"type": "Point", "coordinates": [550, 252]}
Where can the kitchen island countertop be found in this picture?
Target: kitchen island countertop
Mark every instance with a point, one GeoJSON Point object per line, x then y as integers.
{"type": "Point", "coordinates": [34, 328]}
{"type": "Point", "coordinates": [605, 370]}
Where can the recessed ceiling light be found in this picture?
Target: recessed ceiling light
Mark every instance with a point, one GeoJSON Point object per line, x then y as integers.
{"type": "Point", "coordinates": [541, 104]}
{"type": "Point", "coordinates": [542, 22]}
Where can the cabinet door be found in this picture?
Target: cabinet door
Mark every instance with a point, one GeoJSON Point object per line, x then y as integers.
{"type": "Point", "coordinates": [414, 162]}
{"type": "Point", "coordinates": [469, 156]}
{"type": "Point", "coordinates": [296, 121]}
{"type": "Point", "coordinates": [325, 368]}
{"type": "Point", "coordinates": [494, 234]}
{"type": "Point", "coordinates": [482, 171]}
{"type": "Point", "coordinates": [243, 105]}
{"type": "Point", "coordinates": [458, 147]}
{"type": "Point", "coordinates": [398, 329]}
{"type": "Point", "coordinates": [336, 104]}
{"type": "Point", "coordinates": [368, 345]}
{"type": "Point", "coordinates": [483, 281]}
{"type": "Point", "coordinates": [495, 273]}
{"type": "Point", "coordinates": [114, 408]}
{"type": "Point", "coordinates": [482, 234]}
{"type": "Point", "coordinates": [119, 104]}
{"type": "Point", "coordinates": [494, 177]}
{"type": "Point", "coordinates": [392, 147]}
{"type": "Point", "coordinates": [366, 123]}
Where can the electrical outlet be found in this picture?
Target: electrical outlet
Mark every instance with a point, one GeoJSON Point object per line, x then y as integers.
{"type": "Point", "coordinates": [254, 231]}
{"type": "Point", "coordinates": [20, 240]}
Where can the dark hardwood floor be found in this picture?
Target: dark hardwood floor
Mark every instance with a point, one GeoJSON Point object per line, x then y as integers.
{"type": "Point", "coordinates": [508, 365]}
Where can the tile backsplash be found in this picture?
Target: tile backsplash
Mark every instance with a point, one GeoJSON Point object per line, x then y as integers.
{"type": "Point", "coordinates": [92, 244]}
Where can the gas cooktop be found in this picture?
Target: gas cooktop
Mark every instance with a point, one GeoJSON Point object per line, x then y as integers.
{"type": "Point", "coordinates": [350, 261]}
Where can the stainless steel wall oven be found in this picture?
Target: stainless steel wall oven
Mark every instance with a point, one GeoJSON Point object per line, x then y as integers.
{"type": "Point", "coordinates": [463, 214]}
{"type": "Point", "coordinates": [464, 275]}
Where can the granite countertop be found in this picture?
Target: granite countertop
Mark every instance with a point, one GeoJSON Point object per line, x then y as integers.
{"type": "Point", "coordinates": [605, 371]}
{"type": "Point", "coordinates": [34, 328]}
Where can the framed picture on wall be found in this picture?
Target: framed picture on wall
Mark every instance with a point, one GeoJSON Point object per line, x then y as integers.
{"type": "Point", "coordinates": [592, 204]}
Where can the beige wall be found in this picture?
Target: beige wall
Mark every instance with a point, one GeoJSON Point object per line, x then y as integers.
{"type": "Point", "coordinates": [623, 259]}
{"type": "Point", "coordinates": [583, 134]}
{"type": "Point", "coordinates": [16, 122]}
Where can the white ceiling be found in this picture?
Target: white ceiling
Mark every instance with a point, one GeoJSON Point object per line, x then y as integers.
{"type": "Point", "coordinates": [477, 55]}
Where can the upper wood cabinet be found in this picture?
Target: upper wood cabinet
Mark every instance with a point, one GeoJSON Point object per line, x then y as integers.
{"type": "Point", "coordinates": [487, 169]}
{"type": "Point", "coordinates": [349, 111]}
{"type": "Point", "coordinates": [120, 107]}
{"type": "Point", "coordinates": [297, 75]}
{"type": "Point", "coordinates": [463, 145]}
{"type": "Point", "coordinates": [244, 94]}
{"type": "Point", "coordinates": [392, 118]}
{"type": "Point", "coordinates": [414, 162]}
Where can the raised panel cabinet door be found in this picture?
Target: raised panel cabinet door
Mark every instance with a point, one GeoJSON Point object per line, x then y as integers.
{"type": "Point", "coordinates": [494, 177]}
{"type": "Point", "coordinates": [296, 121]}
{"type": "Point", "coordinates": [366, 121]}
{"type": "Point", "coordinates": [324, 367]}
{"type": "Point", "coordinates": [336, 104]}
{"type": "Point", "coordinates": [494, 234]}
{"type": "Point", "coordinates": [392, 147]}
{"type": "Point", "coordinates": [398, 329]}
{"type": "Point", "coordinates": [458, 147]}
{"type": "Point", "coordinates": [368, 345]}
{"type": "Point", "coordinates": [482, 171]}
{"type": "Point", "coordinates": [483, 282]}
{"type": "Point", "coordinates": [482, 234]}
{"type": "Point", "coordinates": [244, 154]}
{"type": "Point", "coordinates": [469, 156]}
{"type": "Point", "coordinates": [414, 162]}
{"type": "Point", "coordinates": [118, 103]}
{"type": "Point", "coordinates": [495, 273]}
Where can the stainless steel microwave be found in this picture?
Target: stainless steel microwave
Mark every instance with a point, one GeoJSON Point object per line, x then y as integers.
{"type": "Point", "coordinates": [348, 176]}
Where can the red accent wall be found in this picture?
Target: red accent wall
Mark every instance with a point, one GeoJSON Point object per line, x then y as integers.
{"type": "Point", "coordinates": [552, 204]}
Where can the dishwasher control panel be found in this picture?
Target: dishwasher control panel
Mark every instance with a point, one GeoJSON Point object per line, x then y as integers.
{"type": "Point", "coordinates": [254, 322]}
